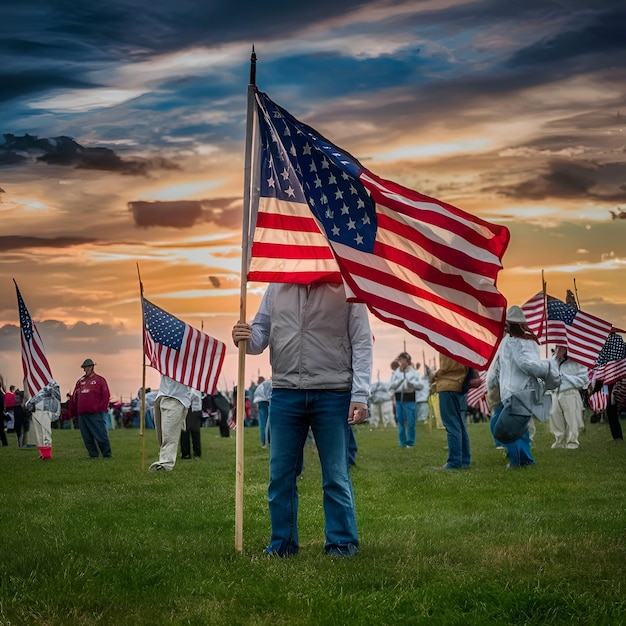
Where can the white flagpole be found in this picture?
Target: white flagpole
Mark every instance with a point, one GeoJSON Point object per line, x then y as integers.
{"type": "Point", "coordinates": [245, 254]}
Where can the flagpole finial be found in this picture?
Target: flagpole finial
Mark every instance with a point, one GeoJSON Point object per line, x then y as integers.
{"type": "Point", "coordinates": [253, 67]}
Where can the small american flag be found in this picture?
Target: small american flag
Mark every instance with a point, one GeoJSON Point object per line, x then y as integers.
{"type": "Point", "coordinates": [611, 364]}
{"type": "Point", "coordinates": [179, 351]}
{"type": "Point", "coordinates": [37, 372]}
{"type": "Point", "coordinates": [598, 401]}
{"type": "Point", "coordinates": [562, 324]}
{"type": "Point", "coordinates": [416, 262]}
{"type": "Point", "coordinates": [477, 396]}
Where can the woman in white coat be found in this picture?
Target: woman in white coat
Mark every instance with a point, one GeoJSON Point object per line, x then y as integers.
{"type": "Point", "coordinates": [516, 363]}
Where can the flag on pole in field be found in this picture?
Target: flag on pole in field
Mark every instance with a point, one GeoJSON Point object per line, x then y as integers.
{"type": "Point", "coordinates": [611, 363]}
{"type": "Point", "coordinates": [179, 351]}
{"type": "Point", "coordinates": [37, 372]}
{"type": "Point", "coordinates": [554, 321]}
{"type": "Point", "coordinates": [416, 262]}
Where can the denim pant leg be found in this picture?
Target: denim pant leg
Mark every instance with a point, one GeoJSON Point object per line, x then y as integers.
{"type": "Point", "coordinates": [329, 422]}
{"type": "Point", "coordinates": [263, 410]}
{"type": "Point", "coordinates": [519, 451]}
{"type": "Point", "coordinates": [401, 417]}
{"type": "Point", "coordinates": [353, 448]}
{"type": "Point", "coordinates": [289, 427]}
{"type": "Point", "coordinates": [411, 418]}
{"type": "Point", "coordinates": [86, 432]}
{"type": "Point", "coordinates": [452, 406]}
{"type": "Point", "coordinates": [98, 427]}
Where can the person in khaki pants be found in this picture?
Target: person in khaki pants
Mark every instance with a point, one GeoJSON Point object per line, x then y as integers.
{"type": "Point", "coordinates": [170, 410]}
{"type": "Point", "coordinates": [566, 419]}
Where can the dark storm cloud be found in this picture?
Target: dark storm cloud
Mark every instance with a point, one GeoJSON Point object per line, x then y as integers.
{"type": "Point", "coordinates": [66, 152]}
{"type": "Point", "coordinates": [24, 83]}
{"type": "Point", "coordinates": [137, 29]}
{"type": "Point", "coordinates": [17, 242]}
{"type": "Point", "coordinates": [573, 180]}
{"type": "Point", "coordinates": [80, 338]}
{"type": "Point", "coordinates": [162, 26]}
{"type": "Point", "coordinates": [588, 36]}
{"type": "Point", "coordinates": [224, 212]}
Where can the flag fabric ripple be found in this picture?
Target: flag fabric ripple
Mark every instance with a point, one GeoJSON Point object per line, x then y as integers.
{"type": "Point", "coordinates": [180, 351]}
{"type": "Point", "coordinates": [554, 321]}
{"type": "Point", "coordinates": [37, 373]}
{"type": "Point", "coordinates": [611, 363]}
{"type": "Point", "coordinates": [418, 263]}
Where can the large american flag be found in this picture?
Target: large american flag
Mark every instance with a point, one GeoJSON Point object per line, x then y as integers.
{"type": "Point", "coordinates": [554, 321]}
{"type": "Point", "coordinates": [611, 363]}
{"type": "Point", "coordinates": [418, 263]}
{"type": "Point", "coordinates": [37, 372]}
{"type": "Point", "coordinates": [179, 351]}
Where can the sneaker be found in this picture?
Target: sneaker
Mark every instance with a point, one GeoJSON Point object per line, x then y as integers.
{"type": "Point", "coordinates": [157, 467]}
{"type": "Point", "coordinates": [342, 552]}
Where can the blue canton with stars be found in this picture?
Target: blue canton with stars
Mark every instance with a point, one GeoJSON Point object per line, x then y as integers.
{"type": "Point", "coordinates": [163, 327]}
{"type": "Point", "coordinates": [614, 349]}
{"type": "Point", "coordinates": [25, 320]}
{"type": "Point", "coordinates": [558, 310]}
{"type": "Point", "coordinates": [299, 165]}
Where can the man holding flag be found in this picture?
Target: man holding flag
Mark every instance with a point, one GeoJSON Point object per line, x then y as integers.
{"type": "Point", "coordinates": [321, 356]}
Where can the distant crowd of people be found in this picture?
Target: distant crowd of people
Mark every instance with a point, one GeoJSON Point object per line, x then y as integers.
{"type": "Point", "coordinates": [321, 360]}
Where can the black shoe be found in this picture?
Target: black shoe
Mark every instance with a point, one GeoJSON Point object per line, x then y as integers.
{"type": "Point", "coordinates": [185, 456]}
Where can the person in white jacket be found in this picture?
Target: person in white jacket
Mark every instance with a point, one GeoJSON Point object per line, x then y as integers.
{"type": "Point", "coordinates": [517, 361]}
{"type": "Point", "coordinates": [405, 382]}
{"type": "Point", "coordinates": [381, 405]}
{"type": "Point", "coordinates": [566, 419]}
{"type": "Point", "coordinates": [46, 408]}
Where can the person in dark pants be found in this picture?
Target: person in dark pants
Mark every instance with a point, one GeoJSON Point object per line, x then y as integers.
{"type": "Point", "coordinates": [191, 433]}
{"type": "Point", "coordinates": [612, 412]}
{"type": "Point", "coordinates": [218, 403]}
{"type": "Point", "coordinates": [89, 402]}
{"type": "Point", "coordinates": [453, 406]}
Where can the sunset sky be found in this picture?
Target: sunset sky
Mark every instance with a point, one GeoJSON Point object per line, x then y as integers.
{"type": "Point", "coordinates": [123, 143]}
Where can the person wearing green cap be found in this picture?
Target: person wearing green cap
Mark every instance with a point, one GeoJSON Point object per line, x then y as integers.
{"type": "Point", "coordinates": [90, 402]}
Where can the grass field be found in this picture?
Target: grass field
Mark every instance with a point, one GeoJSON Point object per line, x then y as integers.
{"type": "Point", "coordinates": [102, 542]}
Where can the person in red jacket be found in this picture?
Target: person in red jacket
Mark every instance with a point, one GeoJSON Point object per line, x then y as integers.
{"type": "Point", "coordinates": [90, 403]}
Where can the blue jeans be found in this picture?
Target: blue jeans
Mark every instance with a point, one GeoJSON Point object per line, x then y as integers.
{"type": "Point", "coordinates": [93, 430]}
{"type": "Point", "coordinates": [326, 412]}
{"type": "Point", "coordinates": [263, 408]}
{"type": "Point", "coordinates": [405, 414]}
{"type": "Point", "coordinates": [519, 451]}
{"type": "Point", "coordinates": [353, 448]}
{"type": "Point", "coordinates": [453, 407]}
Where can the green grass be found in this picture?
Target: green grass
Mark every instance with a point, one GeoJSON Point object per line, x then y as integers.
{"type": "Point", "coordinates": [103, 542]}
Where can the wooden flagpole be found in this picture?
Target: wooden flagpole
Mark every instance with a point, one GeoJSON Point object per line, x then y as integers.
{"type": "Point", "coordinates": [544, 289]}
{"type": "Point", "coordinates": [576, 294]}
{"type": "Point", "coordinates": [142, 411]}
{"type": "Point", "coordinates": [241, 365]}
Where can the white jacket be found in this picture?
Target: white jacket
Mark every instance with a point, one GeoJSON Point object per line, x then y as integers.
{"type": "Point", "coordinates": [516, 363]}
